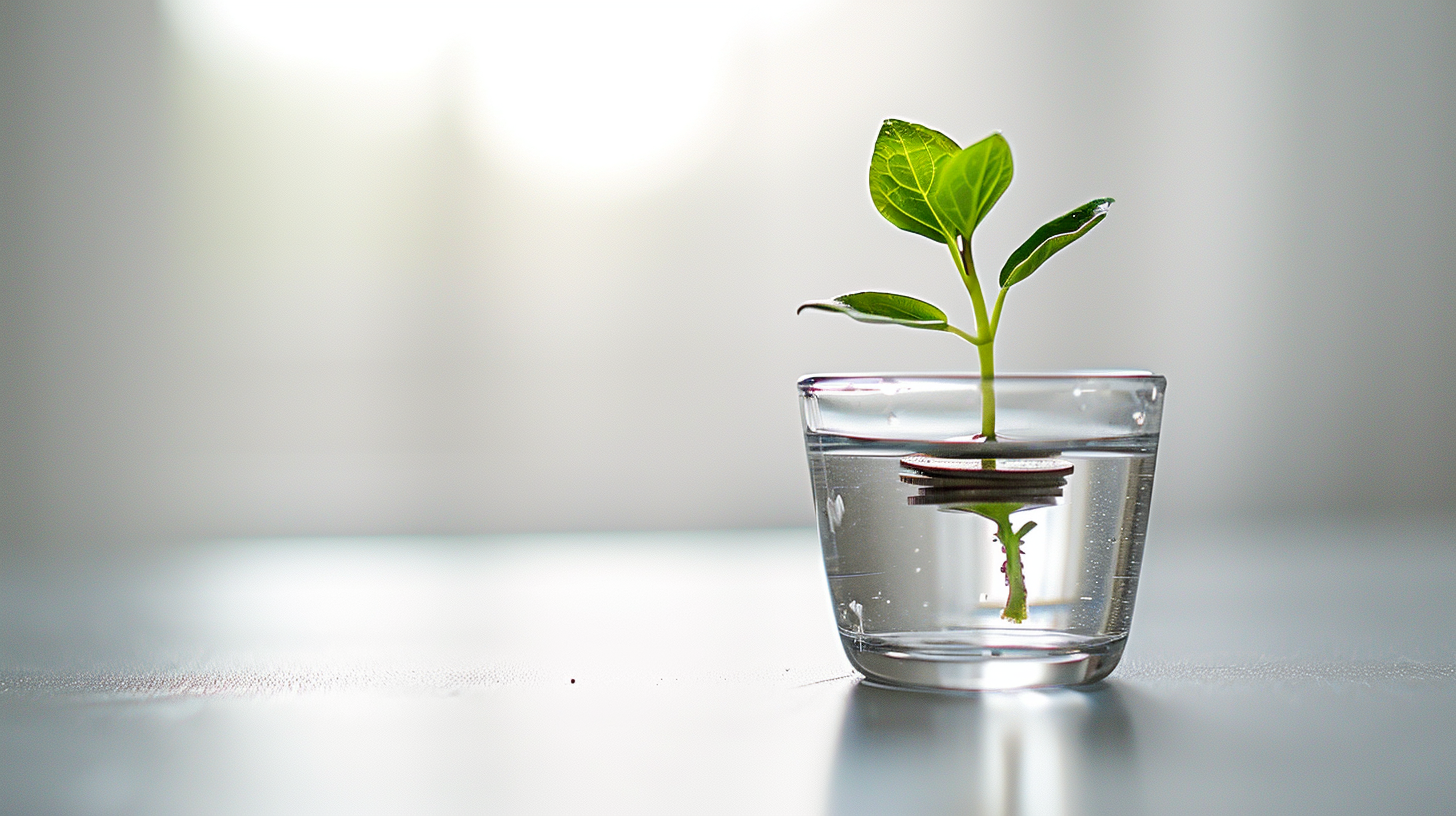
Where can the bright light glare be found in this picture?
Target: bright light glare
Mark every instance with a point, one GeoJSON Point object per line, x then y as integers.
{"type": "Point", "coordinates": [599, 87]}
{"type": "Point", "coordinates": [579, 90]}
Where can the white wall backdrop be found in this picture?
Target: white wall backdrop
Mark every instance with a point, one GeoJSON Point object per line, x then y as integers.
{"type": "Point", "coordinates": [329, 268]}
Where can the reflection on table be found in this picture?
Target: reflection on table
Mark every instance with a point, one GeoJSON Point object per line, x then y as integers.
{"type": "Point", "coordinates": [1044, 752]}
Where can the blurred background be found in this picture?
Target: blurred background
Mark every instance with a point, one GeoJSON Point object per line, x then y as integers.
{"type": "Point", "coordinates": [300, 267]}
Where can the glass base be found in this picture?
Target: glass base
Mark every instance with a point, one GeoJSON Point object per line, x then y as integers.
{"type": "Point", "coordinates": [923, 661]}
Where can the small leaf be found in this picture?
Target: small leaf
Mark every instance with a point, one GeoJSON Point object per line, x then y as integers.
{"type": "Point", "coordinates": [902, 169]}
{"type": "Point", "coordinates": [884, 307]}
{"type": "Point", "coordinates": [967, 186]}
{"type": "Point", "coordinates": [1050, 238]}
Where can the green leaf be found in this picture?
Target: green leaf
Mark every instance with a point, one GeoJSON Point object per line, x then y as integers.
{"type": "Point", "coordinates": [967, 186]}
{"type": "Point", "coordinates": [903, 168]}
{"type": "Point", "coordinates": [884, 307]}
{"type": "Point", "coordinates": [1052, 236]}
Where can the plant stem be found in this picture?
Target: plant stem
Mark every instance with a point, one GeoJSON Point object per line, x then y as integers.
{"type": "Point", "coordinates": [1016, 582]}
{"type": "Point", "coordinates": [967, 266]}
{"type": "Point", "coordinates": [988, 390]}
{"type": "Point", "coordinates": [996, 312]}
{"type": "Point", "coordinates": [973, 340]}
{"type": "Point", "coordinates": [985, 332]}
{"type": "Point", "coordinates": [999, 513]}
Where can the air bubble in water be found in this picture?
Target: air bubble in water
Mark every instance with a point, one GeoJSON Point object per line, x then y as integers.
{"type": "Point", "coordinates": [836, 511]}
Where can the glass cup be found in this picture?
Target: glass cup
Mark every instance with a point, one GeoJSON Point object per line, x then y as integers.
{"type": "Point", "coordinates": [959, 559]}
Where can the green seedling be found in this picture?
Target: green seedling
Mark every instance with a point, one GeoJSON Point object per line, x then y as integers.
{"type": "Point", "coordinates": [922, 182]}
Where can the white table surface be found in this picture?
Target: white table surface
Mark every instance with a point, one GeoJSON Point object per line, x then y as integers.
{"type": "Point", "coordinates": [1287, 669]}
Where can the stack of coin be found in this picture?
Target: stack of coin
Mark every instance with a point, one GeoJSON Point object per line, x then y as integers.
{"type": "Point", "coordinates": [947, 481]}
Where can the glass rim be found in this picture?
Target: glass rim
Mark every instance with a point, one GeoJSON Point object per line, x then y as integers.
{"type": "Point", "coordinates": [808, 381]}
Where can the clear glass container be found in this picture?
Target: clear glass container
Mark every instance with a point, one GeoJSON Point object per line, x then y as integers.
{"type": "Point", "coordinates": [915, 506]}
